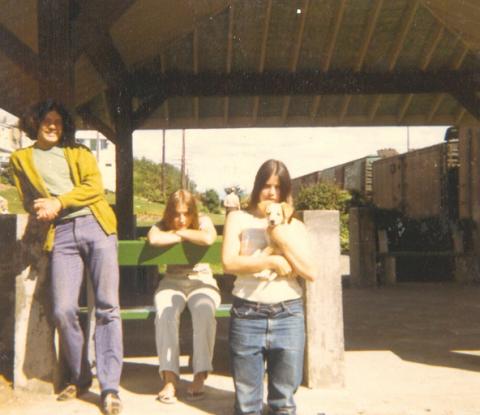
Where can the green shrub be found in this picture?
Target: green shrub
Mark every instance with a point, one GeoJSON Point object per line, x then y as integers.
{"type": "Point", "coordinates": [327, 196]}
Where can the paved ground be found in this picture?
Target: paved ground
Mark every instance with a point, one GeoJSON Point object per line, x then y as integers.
{"type": "Point", "coordinates": [410, 349]}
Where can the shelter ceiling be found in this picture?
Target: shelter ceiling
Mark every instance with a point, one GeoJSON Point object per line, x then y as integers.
{"type": "Point", "coordinates": [236, 63]}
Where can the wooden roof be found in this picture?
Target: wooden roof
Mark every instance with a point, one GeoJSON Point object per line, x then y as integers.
{"type": "Point", "coordinates": [225, 63]}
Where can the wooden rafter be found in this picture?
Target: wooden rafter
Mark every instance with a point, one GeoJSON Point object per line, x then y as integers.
{"type": "Point", "coordinates": [107, 61]}
{"type": "Point", "coordinates": [19, 53]}
{"type": "Point", "coordinates": [96, 123]}
{"type": "Point", "coordinates": [396, 49]}
{"type": "Point", "coordinates": [460, 115]}
{"type": "Point", "coordinates": [296, 54]}
{"type": "Point", "coordinates": [426, 59]}
{"type": "Point", "coordinates": [329, 52]}
{"type": "Point", "coordinates": [92, 12]}
{"type": "Point", "coordinates": [195, 71]}
{"type": "Point", "coordinates": [152, 102]}
{"type": "Point", "coordinates": [468, 98]}
{"type": "Point", "coordinates": [263, 54]}
{"type": "Point", "coordinates": [367, 37]}
{"type": "Point", "coordinates": [163, 68]}
{"type": "Point", "coordinates": [226, 102]}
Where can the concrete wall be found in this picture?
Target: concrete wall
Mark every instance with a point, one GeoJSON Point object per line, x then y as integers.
{"type": "Point", "coordinates": [27, 325]}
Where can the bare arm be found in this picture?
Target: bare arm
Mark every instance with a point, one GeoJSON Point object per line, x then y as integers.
{"type": "Point", "coordinates": [294, 243]}
{"type": "Point", "coordinates": [235, 263]}
{"type": "Point", "coordinates": [159, 237]}
{"type": "Point", "coordinates": [204, 236]}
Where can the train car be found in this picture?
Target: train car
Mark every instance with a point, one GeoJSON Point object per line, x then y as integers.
{"type": "Point", "coordinates": [419, 184]}
{"type": "Point", "coordinates": [355, 175]}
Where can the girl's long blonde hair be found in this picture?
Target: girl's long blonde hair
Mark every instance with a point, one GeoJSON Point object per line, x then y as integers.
{"type": "Point", "coordinates": [181, 196]}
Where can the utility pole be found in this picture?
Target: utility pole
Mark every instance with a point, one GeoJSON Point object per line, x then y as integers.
{"type": "Point", "coordinates": [163, 167]}
{"type": "Point", "coordinates": [183, 161]}
{"type": "Point", "coordinates": [408, 138]}
{"type": "Point", "coordinates": [98, 146]}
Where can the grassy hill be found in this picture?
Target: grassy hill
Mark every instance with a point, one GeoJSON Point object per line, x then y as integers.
{"type": "Point", "coordinates": [147, 212]}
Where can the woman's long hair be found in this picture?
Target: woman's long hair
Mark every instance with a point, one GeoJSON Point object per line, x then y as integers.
{"type": "Point", "coordinates": [177, 198]}
{"type": "Point", "coordinates": [268, 169]}
{"type": "Point", "coordinates": [30, 121]}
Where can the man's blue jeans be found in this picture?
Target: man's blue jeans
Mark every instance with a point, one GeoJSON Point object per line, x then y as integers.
{"type": "Point", "coordinates": [271, 335]}
{"type": "Point", "coordinates": [81, 243]}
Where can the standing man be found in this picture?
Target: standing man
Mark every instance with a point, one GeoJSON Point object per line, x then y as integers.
{"type": "Point", "coordinates": [59, 183]}
{"type": "Point", "coordinates": [231, 201]}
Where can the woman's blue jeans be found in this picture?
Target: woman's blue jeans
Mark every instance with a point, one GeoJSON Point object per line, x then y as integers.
{"type": "Point", "coordinates": [271, 337]}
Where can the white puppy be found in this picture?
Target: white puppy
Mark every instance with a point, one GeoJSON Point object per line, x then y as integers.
{"type": "Point", "coordinates": [276, 214]}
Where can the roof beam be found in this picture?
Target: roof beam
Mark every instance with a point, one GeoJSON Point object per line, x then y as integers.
{"type": "Point", "coordinates": [226, 103]}
{"type": "Point", "coordinates": [329, 52]}
{"type": "Point", "coordinates": [303, 83]}
{"type": "Point", "coordinates": [367, 37]}
{"type": "Point", "coordinates": [19, 53]}
{"type": "Point", "coordinates": [296, 54]}
{"type": "Point", "coordinates": [440, 97]}
{"type": "Point", "coordinates": [263, 54]}
{"type": "Point", "coordinates": [398, 43]}
{"type": "Point", "coordinates": [427, 58]}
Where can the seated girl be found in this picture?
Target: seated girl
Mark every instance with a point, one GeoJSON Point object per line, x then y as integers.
{"type": "Point", "coordinates": [184, 285]}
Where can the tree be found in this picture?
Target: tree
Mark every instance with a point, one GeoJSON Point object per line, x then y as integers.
{"type": "Point", "coordinates": [147, 180]}
{"type": "Point", "coordinates": [211, 200]}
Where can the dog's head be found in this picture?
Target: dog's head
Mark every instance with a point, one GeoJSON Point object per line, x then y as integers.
{"type": "Point", "coordinates": [276, 213]}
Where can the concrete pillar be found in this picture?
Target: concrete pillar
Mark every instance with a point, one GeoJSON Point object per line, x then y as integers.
{"type": "Point", "coordinates": [324, 357]}
{"type": "Point", "coordinates": [24, 266]}
{"type": "Point", "coordinates": [363, 267]}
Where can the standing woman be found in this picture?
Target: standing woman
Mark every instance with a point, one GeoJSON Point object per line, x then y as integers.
{"type": "Point", "coordinates": [183, 285]}
{"type": "Point", "coordinates": [267, 319]}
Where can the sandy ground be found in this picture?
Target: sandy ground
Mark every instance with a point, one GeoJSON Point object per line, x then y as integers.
{"type": "Point", "coordinates": [410, 349]}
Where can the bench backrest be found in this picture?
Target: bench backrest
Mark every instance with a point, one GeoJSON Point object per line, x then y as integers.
{"type": "Point", "coordinates": [141, 253]}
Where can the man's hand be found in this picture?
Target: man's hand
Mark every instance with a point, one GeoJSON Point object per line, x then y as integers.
{"type": "Point", "coordinates": [47, 209]}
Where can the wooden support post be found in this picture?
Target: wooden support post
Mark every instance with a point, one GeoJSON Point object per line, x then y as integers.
{"type": "Point", "coordinates": [54, 50]}
{"type": "Point", "coordinates": [363, 269]}
{"type": "Point", "coordinates": [324, 358]}
{"type": "Point", "coordinates": [124, 164]}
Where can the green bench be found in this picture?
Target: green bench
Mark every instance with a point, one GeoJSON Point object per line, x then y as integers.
{"type": "Point", "coordinates": [140, 253]}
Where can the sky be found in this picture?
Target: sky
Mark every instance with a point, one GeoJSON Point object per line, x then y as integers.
{"type": "Point", "coordinates": [227, 157]}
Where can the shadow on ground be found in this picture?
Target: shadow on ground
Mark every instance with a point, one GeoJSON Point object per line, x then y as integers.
{"type": "Point", "coordinates": [419, 322]}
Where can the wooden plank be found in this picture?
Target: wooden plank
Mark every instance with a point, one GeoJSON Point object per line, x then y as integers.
{"type": "Point", "coordinates": [141, 253]}
{"type": "Point", "coordinates": [148, 312]}
{"type": "Point", "coordinates": [418, 254]}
